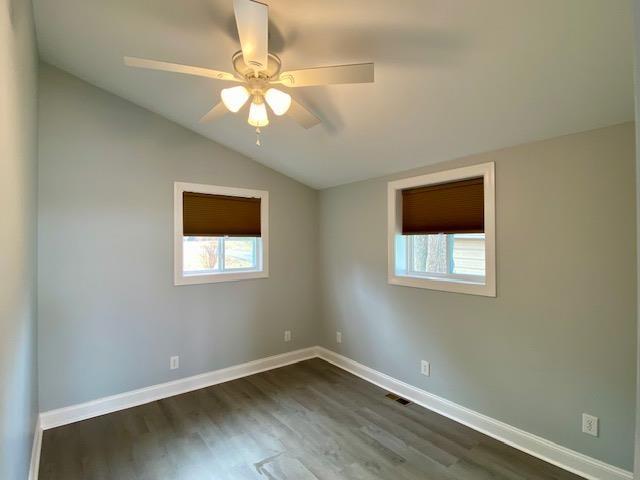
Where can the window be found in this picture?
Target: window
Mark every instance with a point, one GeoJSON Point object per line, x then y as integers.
{"type": "Point", "coordinates": [441, 231]}
{"type": "Point", "coordinates": [202, 255]}
{"type": "Point", "coordinates": [221, 233]}
{"type": "Point", "coordinates": [458, 256]}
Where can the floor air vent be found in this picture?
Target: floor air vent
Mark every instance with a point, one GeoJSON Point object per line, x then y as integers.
{"type": "Point", "coordinates": [396, 398]}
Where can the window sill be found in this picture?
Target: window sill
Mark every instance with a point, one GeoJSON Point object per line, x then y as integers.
{"type": "Point", "coordinates": [219, 277]}
{"type": "Point", "coordinates": [444, 284]}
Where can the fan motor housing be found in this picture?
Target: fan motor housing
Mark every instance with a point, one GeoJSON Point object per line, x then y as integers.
{"type": "Point", "coordinates": [247, 71]}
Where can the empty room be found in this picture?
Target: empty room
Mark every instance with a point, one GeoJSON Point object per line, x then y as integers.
{"type": "Point", "coordinates": [319, 239]}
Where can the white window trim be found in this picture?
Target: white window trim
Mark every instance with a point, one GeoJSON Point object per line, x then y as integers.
{"type": "Point", "coordinates": [394, 216]}
{"type": "Point", "coordinates": [179, 278]}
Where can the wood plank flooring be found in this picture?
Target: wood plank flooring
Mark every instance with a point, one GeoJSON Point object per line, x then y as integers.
{"type": "Point", "coordinates": [306, 421]}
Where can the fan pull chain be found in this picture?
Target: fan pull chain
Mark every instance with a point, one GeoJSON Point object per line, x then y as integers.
{"type": "Point", "coordinates": [258, 142]}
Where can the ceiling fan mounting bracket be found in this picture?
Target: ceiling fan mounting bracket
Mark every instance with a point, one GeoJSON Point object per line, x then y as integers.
{"type": "Point", "coordinates": [248, 71]}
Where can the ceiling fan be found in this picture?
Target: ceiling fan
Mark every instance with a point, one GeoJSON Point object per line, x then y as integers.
{"type": "Point", "coordinates": [258, 71]}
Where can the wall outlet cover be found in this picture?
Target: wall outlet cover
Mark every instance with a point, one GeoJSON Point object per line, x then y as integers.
{"type": "Point", "coordinates": [287, 335]}
{"type": "Point", "coordinates": [338, 337]}
{"type": "Point", "coordinates": [589, 424]}
{"type": "Point", "coordinates": [425, 368]}
{"type": "Point", "coordinates": [174, 362]}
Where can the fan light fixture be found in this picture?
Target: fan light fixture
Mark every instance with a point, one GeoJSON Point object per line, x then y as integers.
{"type": "Point", "coordinates": [258, 113]}
{"type": "Point", "coordinates": [234, 98]}
{"type": "Point", "coordinates": [278, 101]}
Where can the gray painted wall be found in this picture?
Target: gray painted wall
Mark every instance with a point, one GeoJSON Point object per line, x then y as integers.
{"type": "Point", "coordinates": [109, 315]}
{"type": "Point", "coordinates": [636, 13]}
{"type": "Point", "coordinates": [18, 155]}
{"type": "Point", "coordinates": [559, 339]}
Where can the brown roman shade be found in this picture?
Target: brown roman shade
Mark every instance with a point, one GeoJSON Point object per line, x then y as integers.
{"type": "Point", "coordinates": [205, 215]}
{"type": "Point", "coordinates": [452, 207]}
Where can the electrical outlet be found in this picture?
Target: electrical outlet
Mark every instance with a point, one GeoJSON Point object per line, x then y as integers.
{"type": "Point", "coordinates": [287, 335]}
{"type": "Point", "coordinates": [425, 368]}
{"type": "Point", "coordinates": [339, 337]}
{"type": "Point", "coordinates": [589, 424]}
{"type": "Point", "coordinates": [174, 363]}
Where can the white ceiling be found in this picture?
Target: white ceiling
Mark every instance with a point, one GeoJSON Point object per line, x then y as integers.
{"type": "Point", "coordinates": [453, 77]}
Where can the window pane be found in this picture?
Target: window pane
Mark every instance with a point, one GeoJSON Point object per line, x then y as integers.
{"type": "Point", "coordinates": [430, 253]}
{"type": "Point", "coordinates": [445, 254]}
{"type": "Point", "coordinates": [240, 253]}
{"type": "Point", "coordinates": [200, 254]}
{"type": "Point", "coordinates": [468, 254]}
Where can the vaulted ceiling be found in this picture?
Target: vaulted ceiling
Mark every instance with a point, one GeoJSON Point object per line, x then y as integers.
{"type": "Point", "coordinates": [453, 77]}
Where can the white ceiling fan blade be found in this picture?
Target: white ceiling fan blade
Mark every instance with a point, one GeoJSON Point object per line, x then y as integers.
{"type": "Point", "coordinates": [357, 73]}
{"type": "Point", "coordinates": [215, 113]}
{"type": "Point", "coordinates": [302, 115]}
{"type": "Point", "coordinates": [178, 68]}
{"type": "Point", "coordinates": [252, 20]}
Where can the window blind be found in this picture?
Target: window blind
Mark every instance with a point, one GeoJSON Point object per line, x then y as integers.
{"type": "Point", "coordinates": [205, 215]}
{"type": "Point", "coordinates": [453, 207]}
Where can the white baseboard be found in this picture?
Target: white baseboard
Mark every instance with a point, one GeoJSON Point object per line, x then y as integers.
{"type": "Point", "coordinates": [546, 450]}
{"type": "Point", "coordinates": [550, 452]}
{"type": "Point", "coordinates": [35, 451]}
{"type": "Point", "coordinates": [113, 403]}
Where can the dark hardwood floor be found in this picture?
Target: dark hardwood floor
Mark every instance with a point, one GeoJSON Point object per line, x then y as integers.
{"type": "Point", "coordinates": [306, 421]}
